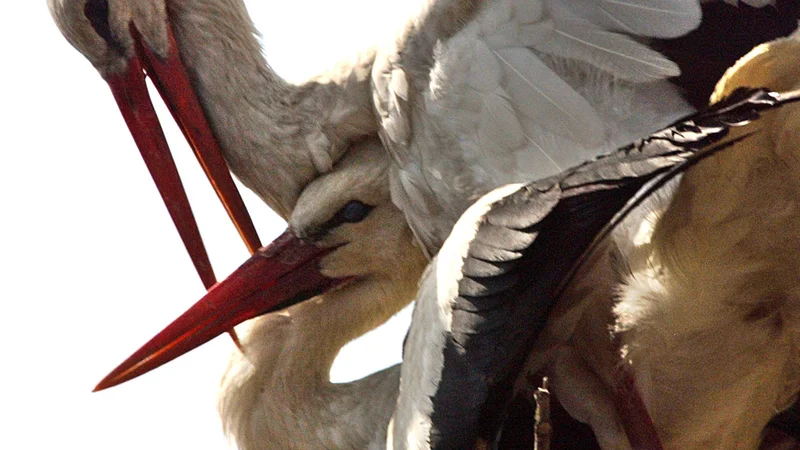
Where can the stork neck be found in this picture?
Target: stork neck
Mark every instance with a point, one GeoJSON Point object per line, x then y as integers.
{"type": "Point", "coordinates": [283, 382]}
{"type": "Point", "coordinates": [276, 136]}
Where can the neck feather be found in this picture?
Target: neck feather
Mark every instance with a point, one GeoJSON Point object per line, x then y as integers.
{"type": "Point", "coordinates": [276, 136]}
{"type": "Point", "coordinates": [279, 394]}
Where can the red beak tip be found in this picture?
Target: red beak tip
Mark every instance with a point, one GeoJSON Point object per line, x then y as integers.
{"type": "Point", "coordinates": [117, 376]}
{"type": "Point", "coordinates": [262, 284]}
{"type": "Point", "coordinates": [103, 385]}
{"type": "Point", "coordinates": [109, 381]}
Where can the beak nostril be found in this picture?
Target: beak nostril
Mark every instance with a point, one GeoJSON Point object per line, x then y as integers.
{"type": "Point", "coordinates": [97, 13]}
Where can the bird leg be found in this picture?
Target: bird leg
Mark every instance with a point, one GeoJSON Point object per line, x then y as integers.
{"type": "Point", "coordinates": [543, 428]}
{"type": "Point", "coordinates": [636, 420]}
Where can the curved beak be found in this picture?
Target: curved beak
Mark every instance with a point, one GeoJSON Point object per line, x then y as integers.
{"type": "Point", "coordinates": [171, 79]}
{"type": "Point", "coordinates": [277, 276]}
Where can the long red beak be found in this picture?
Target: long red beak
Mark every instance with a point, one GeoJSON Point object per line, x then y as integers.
{"type": "Point", "coordinates": [170, 77]}
{"type": "Point", "coordinates": [275, 277]}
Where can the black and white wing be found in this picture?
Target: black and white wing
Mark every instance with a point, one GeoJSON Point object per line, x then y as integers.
{"type": "Point", "coordinates": [484, 302]}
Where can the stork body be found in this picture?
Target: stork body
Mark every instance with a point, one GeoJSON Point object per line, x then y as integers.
{"type": "Point", "coordinates": [522, 91]}
{"type": "Point", "coordinates": [697, 287]}
{"type": "Point", "coordinates": [720, 268]}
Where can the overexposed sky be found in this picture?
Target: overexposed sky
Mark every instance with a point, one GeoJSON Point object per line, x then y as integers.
{"type": "Point", "coordinates": [90, 264]}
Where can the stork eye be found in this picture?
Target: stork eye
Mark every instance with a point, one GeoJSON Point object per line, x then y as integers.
{"type": "Point", "coordinates": [97, 13]}
{"type": "Point", "coordinates": [353, 212]}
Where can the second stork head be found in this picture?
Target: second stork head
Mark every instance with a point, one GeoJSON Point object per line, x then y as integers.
{"type": "Point", "coordinates": [345, 239]}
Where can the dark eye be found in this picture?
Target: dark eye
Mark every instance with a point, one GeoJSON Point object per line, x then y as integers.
{"type": "Point", "coordinates": [97, 13]}
{"type": "Point", "coordinates": [353, 212]}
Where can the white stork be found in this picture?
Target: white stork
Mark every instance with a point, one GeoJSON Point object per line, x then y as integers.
{"type": "Point", "coordinates": [693, 300]}
{"type": "Point", "coordinates": [303, 133]}
{"type": "Point", "coordinates": [291, 145]}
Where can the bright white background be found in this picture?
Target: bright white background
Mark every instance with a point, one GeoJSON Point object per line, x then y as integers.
{"type": "Point", "coordinates": [90, 264]}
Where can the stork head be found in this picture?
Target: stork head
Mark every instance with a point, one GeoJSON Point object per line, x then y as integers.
{"type": "Point", "coordinates": [124, 39]}
{"type": "Point", "coordinates": [345, 240]}
{"type": "Point", "coordinates": [102, 30]}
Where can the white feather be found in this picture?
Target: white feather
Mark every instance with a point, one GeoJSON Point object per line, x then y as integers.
{"type": "Point", "coordinates": [540, 94]}
{"type": "Point", "coordinates": [506, 35]}
{"type": "Point", "coordinates": [614, 53]}
{"type": "Point", "coordinates": [654, 18]}
{"type": "Point", "coordinates": [396, 121]}
{"type": "Point", "coordinates": [528, 11]}
{"type": "Point", "coordinates": [491, 109]}
{"type": "Point", "coordinates": [485, 73]}
{"type": "Point", "coordinates": [499, 126]}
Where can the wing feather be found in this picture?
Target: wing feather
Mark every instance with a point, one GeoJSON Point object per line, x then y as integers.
{"type": "Point", "coordinates": [540, 94]}
{"type": "Point", "coordinates": [495, 319]}
{"type": "Point", "coordinates": [612, 52]}
{"type": "Point", "coordinates": [485, 73]}
{"type": "Point", "coordinates": [499, 126]}
{"type": "Point", "coordinates": [520, 89]}
{"type": "Point", "coordinates": [654, 18]}
{"type": "Point", "coordinates": [527, 11]}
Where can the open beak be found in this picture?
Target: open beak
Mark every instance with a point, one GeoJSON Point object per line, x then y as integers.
{"type": "Point", "coordinates": [170, 77]}
{"type": "Point", "coordinates": [277, 276]}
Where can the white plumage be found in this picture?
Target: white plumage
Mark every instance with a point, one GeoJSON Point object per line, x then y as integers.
{"type": "Point", "coordinates": [523, 89]}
